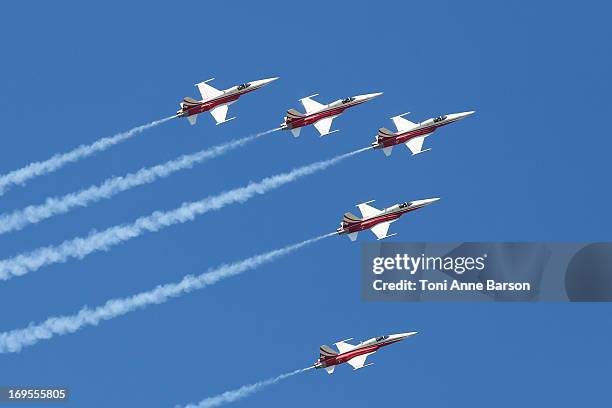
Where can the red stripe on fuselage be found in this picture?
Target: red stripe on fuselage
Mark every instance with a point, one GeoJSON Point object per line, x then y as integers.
{"type": "Point", "coordinates": [213, 103]}
{"type": "Point", "coordinates": [344, 357]}
{"type": "Point", "coordinates": [371, 222]}
{"type": "Point", "coordinates": [293, 123]}
{"type": "Point", "coordinates": [411, 134]}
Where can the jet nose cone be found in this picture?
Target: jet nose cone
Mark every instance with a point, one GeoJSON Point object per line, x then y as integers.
{"type": "Point", "coordinates": [263, 82]}
{"type": "Point", "coordinates": [403, 336]}
{"type": "Point", "coordinates": [462, 115]}
{"type": "Point", "coordinates": [367, 97]}
{"type": "Point", "coordinates": [373, 95]}
{"type": "Point", "coordinates": [427, 201]}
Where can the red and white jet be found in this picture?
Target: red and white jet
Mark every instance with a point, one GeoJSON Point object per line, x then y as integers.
{"type": "Point", "coordinates": [216, 101]}
{"type": "Point", "coordinates": [376, 220]}
{"type": "Point", "coordinates": [355, 355]}
{"type": "Point", "coordinates": [319, 115]}
{"type": "Point", "coordinates": [412, 134]}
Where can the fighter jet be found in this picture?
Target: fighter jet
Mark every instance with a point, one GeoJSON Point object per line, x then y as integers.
{"type": "Point", "coordinates": [321, 115]}
{"type": "Point", "coordinates": [355, 355]}
{"type": "Point", "coordinates": [412, 134]}
{"type": "Point", "coordinates": [376, 220]}
{"type": "Point", "coordinates": [216, 101]}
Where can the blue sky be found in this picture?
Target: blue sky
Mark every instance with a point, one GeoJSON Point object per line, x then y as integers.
{"type": "Point", "coordinates": [531, 165]}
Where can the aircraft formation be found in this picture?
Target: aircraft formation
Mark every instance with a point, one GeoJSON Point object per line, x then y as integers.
{"type": "Point", "coordinates": [321, 116]}
{"type": "Point", "coordinates": [216, 102]}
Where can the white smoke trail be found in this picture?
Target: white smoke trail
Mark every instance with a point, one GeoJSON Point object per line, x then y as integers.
{"type": "Point", "coordinates": [80, 247]}
{"type": "Point", "coordinates": [242, 392]}
{"type": "Point", "coordinates": [14, 340]}
{"type": "Point", "coordinates": [34, 169]}
{"type": "Point", "coordinates": [59, 205]}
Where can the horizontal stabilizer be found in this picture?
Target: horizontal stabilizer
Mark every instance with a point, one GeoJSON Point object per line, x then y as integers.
{"type": "Point", "coordinates": [353, 236]}
{"type": "Point", "coordinates": [387, 150]}
{"type": "Point", "coordinates": [330, 370]}
{"type": "Point", "coordinates": [192, 119]}
{"type": "Point", "coordinates": [296, 132]}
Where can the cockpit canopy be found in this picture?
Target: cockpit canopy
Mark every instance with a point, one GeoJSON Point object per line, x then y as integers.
{"type": "Point", "coordinates": [381, 338]}
{"type": "Point", "coordinates": [439, 118]}
{"type": "Point", "coordinates": [243, 86]}
{"type": "Point", "coordinates": [404, 205]}
{"type": "Point", "coordinates": [347, 100]}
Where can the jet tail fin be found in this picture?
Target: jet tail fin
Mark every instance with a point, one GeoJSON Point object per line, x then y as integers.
{"type": "Point", "coordinates": [325, 351]}
{"type": "Point", "coordinates": [385, 133]}
{"type": "Point", "coordinates": [188, 102]}
{"type": "Point", "coordinates": [350, 218]}
{"type": "Point", "coordinates": [293, 113]}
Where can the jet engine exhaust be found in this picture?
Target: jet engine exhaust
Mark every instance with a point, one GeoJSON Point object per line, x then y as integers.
{"type": "Point", "coordinates": [80, 247]}
{"type": "Point", "coordinates": [242, 392]}
{"type": "Point", "coordinates": [59, 160]}
{"type": "Point", "coordinates": [15, 340]}
{"type": "Point", "coordinates": [53, 206]}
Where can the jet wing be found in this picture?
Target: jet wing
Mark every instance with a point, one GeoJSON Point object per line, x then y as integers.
{"type": "Point", "coordinates": [380, 230]}
{"type": "Point", "coordinates": [208, 91]}
{"type": "Point", "coordinates": [403, 124]}
{"type": "Point", "coordinates": [324, 125]}
{"type": "Point", "coordinates": [359, 361]}
{"type": "Point", "coordinates": [343, 346]}
{"type": "Point", "coordinates": [416, 144]}
{"type": "Point", "coordinates": [219, 113]}
{"type": "Point", "coordinates": [367, 211]}
{"type": "Point", "coordinates": [311, 105]}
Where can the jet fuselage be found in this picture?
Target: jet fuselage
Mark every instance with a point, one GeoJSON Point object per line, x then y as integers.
{"type": "Point", "coordinates": [190, 107]}
{"type": "Point", "coordinates": [388, 214]}
{"type": "Point", "coordinates": [386, 138]}
{"type": "Point", "coordinates": [333, 109]}
{"type": "Point", "coordinates": [328, 359]}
